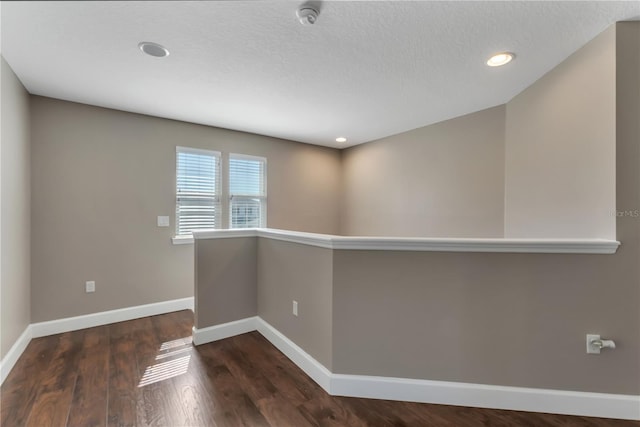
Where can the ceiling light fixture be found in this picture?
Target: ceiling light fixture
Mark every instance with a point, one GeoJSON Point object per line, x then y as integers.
{"type": "Point", "coordinates": [341, 139]}
{"type": "Point", "coordinates": [307, 15]}
{"type": "Point", "coordinates": [153, 49]}
{"type": "Point", "coordinates": [501, 58]}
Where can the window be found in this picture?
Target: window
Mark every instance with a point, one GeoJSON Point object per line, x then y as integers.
{"type": "Point", "coordinates": [197, 190]}
{"type": "Point", "coordinates": [247, 191]}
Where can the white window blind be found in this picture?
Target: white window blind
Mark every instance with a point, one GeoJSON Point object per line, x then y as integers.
{"type": "Point", "coordinates": [197, 190]}
{"type": "Point", "coordinates": [247, 191]}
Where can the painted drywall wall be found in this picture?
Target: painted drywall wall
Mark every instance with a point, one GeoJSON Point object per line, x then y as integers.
{"type": "Point", "coordinates": [99, 179]}
{"type": "Point", "coordinates": [560, 148]}
{"type": "Point", "coordinates": [502, 319]}
{"type": "Point", "coordinates": [15, 220]}
{"type": "Point", "coordinates": [291, 271]}
{"type": "Point", "coordinates": [442, 180]}
{"type": "Point", "coordinates": [225, 280]}
{"type": "Point", "coordinates": [511, 319]}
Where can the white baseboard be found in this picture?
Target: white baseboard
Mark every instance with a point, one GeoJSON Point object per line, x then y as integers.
{"type": "Point", "coordinates": [14, 353]}
{"type": "Point", "coordinates": [59, 326]}
{"type": "Point", "coordinates": [439, 392]}
{"type": "Point", "coordinates": [225, 330]}
{"type": "Point", "coordinates": [488, 396]}
{"type": "Point", "coordinates": [316, 370]}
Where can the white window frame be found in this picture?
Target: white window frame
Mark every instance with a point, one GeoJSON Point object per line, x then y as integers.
{"type": "Point", "coordinates": [188, 237]}
{"type": "Point", "coordinates": [262, 197]}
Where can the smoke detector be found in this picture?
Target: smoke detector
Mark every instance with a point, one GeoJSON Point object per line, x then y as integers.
{"type": "Point", "coordinates": [307, 15]}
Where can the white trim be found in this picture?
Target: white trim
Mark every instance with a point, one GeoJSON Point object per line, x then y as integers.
{"type": "Point", "coordinates": [311, 239]}
{"type": "Point", "coordinates": [443, 392]}
{"type": "Point", "coordinates": [549, 246]}
{"type": "Point", "coordinates": [225, 330]}
{"type": "Point", "coordinates": [181, 149]}
{"type": "Point", "coordinates": [224, 234]}
{"type": "Point", "coordinates": [574, 246]}
{"type": "Point", "coordinates": [182, 240]}
{"type": "Point", "coordinates": [317, 371]}
{"type": "Point", "coordinates": [248, 157]}
{"type": "Point", "coordinates": [8, 362]}
{"type": "Point", "coordinates": [51, 327]}
{"type": "Point", "coordinates": [488, 396]}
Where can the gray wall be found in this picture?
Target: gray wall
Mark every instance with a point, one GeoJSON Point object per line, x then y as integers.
{"type": "Point", "coordinates": [225, 274]}
{"type": "Point", "coordinates": [503, 319]}
{"type": "Point", "coordinates": [291, 271]}
{"type": "Point", "coordinates": [560, 148]}
{"type": "Point", "coordinates": [510, 319]}
{"type": "Point", "coordinates": [442, 180]}
{"type": "Point", "coordinates": [243, 277]}
{"type": "Point", "coordinates": [15, 229]}
{"type": "Point", "coordinates": [100, 177]}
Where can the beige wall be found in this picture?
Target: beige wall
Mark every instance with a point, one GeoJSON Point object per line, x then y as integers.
{"type": "Point", "coordinates": [510, 319]}
{"type": "Point", "coordinates": [291, 271]}
{"type": "Point", "coordinates": [225, 272]}
{"type": "Point", "coordinates": [100, 178]}
{"type": "Point", "coordinates": [443, 180]}
{"type": "Point", "coordinates": [15, 226]}
{"type": "Point", "coordinates": [502, 319]}
{"type": "Point", "coordinates": [560, 149]}
{"type": "Point", "coordinates": [242, 277]}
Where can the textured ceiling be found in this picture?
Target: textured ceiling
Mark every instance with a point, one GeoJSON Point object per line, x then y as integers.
{"type": "Point", "coordinates": [365, 70]}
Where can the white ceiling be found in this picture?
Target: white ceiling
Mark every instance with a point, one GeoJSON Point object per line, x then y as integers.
{"type": "Point", "coordinates": [365, 70]}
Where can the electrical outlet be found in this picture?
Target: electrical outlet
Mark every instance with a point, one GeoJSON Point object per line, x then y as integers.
{"type": "Point", "coordinates": [90, 286]}
{"type": "Point", "coordinates": [163, 221]}
{"type": "Point", "coordinates": [592, 349]}
{"type": "Point", "coordinates": [295, 308]}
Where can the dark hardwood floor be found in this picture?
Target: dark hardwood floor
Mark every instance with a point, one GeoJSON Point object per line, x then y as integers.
{"type": "Point", "coordinates": [145, 372]}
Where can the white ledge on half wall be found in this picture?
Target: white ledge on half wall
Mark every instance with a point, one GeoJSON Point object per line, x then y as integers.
{"type": "Point", "coordinates": [440, 244]}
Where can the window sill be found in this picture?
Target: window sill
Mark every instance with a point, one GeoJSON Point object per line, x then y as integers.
{"type": "Point", "coordinates": [182, 240]}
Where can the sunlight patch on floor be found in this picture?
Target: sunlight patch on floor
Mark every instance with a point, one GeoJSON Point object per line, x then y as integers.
{"type": "Point", "coordinates": [178, 353]}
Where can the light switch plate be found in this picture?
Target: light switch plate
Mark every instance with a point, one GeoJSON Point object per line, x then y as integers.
{"type": "Point", "coordinates": [163, 221]}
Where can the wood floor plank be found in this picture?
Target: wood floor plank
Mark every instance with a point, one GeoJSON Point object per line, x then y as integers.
{"type": "Point", "coordinates": [277, 370]}
{"type": "Point", "coordinates": [383, 414]}
{"type": "Point", "coordinates": [145, 372]}
{"type": "Point", "coordinates": [248, 373]}
{"type": "Point", "coordinates": [51, 407]}
{"type": "Point", "coordinates": [329, 411]}
{"type": "Point", "coordinates": [90, 397]}
{"type": "Point", "coordinates": [218, 406]}
{"type": "Point", "coordinates": [176, 348]}
{"type": "Point", "coordinates": [21, 387]}
{"type": "Point", "coordinates": [123, 376]}
{"type": "Point", "coordinates": [279, 411]}
{"type": "Point", "coordinates": [159, 404]}
{"type": "Point", "coordinates": [237, 408]}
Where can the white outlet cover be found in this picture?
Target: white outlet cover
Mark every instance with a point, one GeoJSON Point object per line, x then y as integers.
{"type": "Point", "coordinates": [90, 286]}
{"type": "Point", "coordinates": [163, 221]}
{"type": "Point", "coordinates": [295, 308]}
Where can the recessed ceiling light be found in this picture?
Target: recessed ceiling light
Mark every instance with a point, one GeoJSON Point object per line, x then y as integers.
{"type": "Point", "coordinates": [501, 58]}
{"type": "Point", "coordinates": [153, 49]}
{"type": "Point", "coordinates": [341, 139]}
